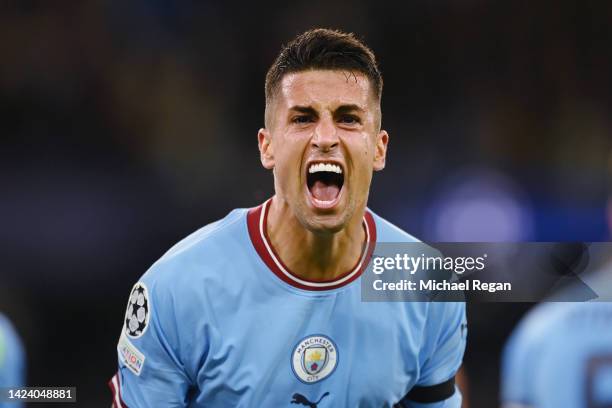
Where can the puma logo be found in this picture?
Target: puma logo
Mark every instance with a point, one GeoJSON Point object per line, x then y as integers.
{"type": "Point", "coordinates": [300, 399]}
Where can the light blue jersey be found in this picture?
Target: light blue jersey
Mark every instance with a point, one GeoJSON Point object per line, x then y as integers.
{"type": "Point", "coordinates": [219, 321]}
{"type": "Point", "coordinates": [560, 356]}
{"type": "Point", "coordinates": [12, 360]}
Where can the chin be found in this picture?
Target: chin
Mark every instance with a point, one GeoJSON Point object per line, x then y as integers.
{"type": "Point", "coordinates": [325, 222]}
{"type": "Point", "coordinates": [324, 226]}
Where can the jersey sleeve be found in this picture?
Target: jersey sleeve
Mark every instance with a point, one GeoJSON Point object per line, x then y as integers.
{"type": "Point", "coordinates": [445, 344]}
{"type": "Point", "coordinates": [151, 372]}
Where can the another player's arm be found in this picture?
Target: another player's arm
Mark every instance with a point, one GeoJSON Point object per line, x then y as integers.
{"type": "Point", "coordinates": [436, 387]}
{"type": "Point", "coordinates": [12, 359]}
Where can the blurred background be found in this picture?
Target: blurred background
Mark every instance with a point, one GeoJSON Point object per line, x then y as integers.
{"type": "Point", "coordinates": [127, 125]}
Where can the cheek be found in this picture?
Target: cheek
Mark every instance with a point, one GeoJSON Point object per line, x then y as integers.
{"type": "Point", "coordinates": [367, 150]}
{"type": "Point", "coordinates": [293, 144]}
{"type": "Point", "coordinates": [285, 167]}
{"type": "Point", "coordinates": [360, 150]}
{"type": "Point", "coordinates": [288, 155]}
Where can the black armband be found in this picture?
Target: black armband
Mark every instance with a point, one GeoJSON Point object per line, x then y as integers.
{"type": "Point", "coordinates": [430, 393]}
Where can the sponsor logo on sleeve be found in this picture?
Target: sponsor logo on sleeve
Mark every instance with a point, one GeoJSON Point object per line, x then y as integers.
{"type": "Point", "coordinates": [130, 355]}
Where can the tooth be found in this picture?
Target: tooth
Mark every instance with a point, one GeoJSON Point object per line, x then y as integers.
{"type": "Point", "coordinates": [327, 167]}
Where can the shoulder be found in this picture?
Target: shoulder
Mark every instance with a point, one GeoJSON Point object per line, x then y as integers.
{"type": "Point", "coordinates": [213, 234]}
{"type": "Point", "coordinates": [539, 322]}
{"type": "Point", "coordinates": [200, 251]}
{"type": "Point", "coordinates": [12, 353]}
{"type": "Point", "coordinates": [8, 334]}
{"type": "Point", "coordinates": [541, 334]}
{"type": "Point", "coordinates": [4, 324]}
{"type": "Point", "coordinates": [388, 232]}
{"type": "Point", "coordinates": [534, 331]}
{"type": "Point", "coordinates": [557, 321]}
{"type": "Point", "coordinates": [192, 267]}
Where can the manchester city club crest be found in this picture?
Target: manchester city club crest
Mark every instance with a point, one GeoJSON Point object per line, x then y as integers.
{"type": "Point", "coordinates": [314, 358]}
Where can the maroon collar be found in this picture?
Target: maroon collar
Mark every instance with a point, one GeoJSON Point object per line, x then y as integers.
{"type": "Point", "coordinates": [257, 224]}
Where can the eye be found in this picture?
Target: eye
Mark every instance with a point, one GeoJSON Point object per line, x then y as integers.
{"type": "Point", "coordinates": [349, 119]}
{"type": "Point", "coordinates": [302, 119]}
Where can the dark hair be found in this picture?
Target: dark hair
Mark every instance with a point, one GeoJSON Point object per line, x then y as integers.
{"type": "Point", "coordinates": [322, 48]}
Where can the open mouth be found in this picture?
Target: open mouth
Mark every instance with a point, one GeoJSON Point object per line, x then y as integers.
{"type": "Point", "coordinates": [325, 181]}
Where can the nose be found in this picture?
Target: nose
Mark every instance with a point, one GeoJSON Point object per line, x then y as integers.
{"type": "Point", "coordinates": [325, 137]}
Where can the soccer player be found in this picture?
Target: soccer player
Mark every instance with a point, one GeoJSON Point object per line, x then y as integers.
{"type": "Point", "coordinates": [12, 360]}
{"type": "Point", "coordinates": [560, 354]}
{"type": "Point", "coordinates": [263, 308]}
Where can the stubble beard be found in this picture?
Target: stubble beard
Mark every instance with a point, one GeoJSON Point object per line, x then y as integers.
{"type": "Point", "coordinates": [309, 221]}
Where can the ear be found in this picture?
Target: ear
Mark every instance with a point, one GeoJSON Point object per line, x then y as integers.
{"type": "Point", "coordinates": [266, 151]}
{"type": "Point", "coordinates": [380, 154]}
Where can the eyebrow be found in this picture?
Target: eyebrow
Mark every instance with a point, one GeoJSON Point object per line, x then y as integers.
{"type": "Point", "coordinates": [303, 109]}
{"type": "Point", "coordinates": [340, 110]}
{"type": "Point", "coordinates": [349, 108]}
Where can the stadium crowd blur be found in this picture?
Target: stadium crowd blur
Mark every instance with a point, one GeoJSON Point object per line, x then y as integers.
{"type": "Point", "coordinates": [127, 125]}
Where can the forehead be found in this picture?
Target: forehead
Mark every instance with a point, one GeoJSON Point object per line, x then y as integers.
{"type": "Point", "coordinates": [326, 88]}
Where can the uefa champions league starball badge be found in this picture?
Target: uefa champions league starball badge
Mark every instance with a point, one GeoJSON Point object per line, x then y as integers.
{"type": "Point", "coordinates": [137, 313]}
{"type": "Point", "coordinates": [314, 358]}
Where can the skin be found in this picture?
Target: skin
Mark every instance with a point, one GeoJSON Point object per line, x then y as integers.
{"type": "Point", "coordinates": [321, 115]}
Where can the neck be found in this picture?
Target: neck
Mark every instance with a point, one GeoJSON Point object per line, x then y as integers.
{"type": "Point", "coordinates": [314, 256]}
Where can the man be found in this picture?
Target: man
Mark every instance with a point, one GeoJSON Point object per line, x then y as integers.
{"type": "Point", "coordinates": [560, 355]}
{"type": "Point", "coordinates": [263, 308]}
{"type": "Point", "coordinates": [12, 366]}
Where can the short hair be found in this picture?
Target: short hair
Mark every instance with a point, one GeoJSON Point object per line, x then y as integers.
{"type": "Point", "coordinates": [322, 48]}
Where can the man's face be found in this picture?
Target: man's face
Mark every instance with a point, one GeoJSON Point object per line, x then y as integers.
{"type": "Point", "coordinates": [323, 141]}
